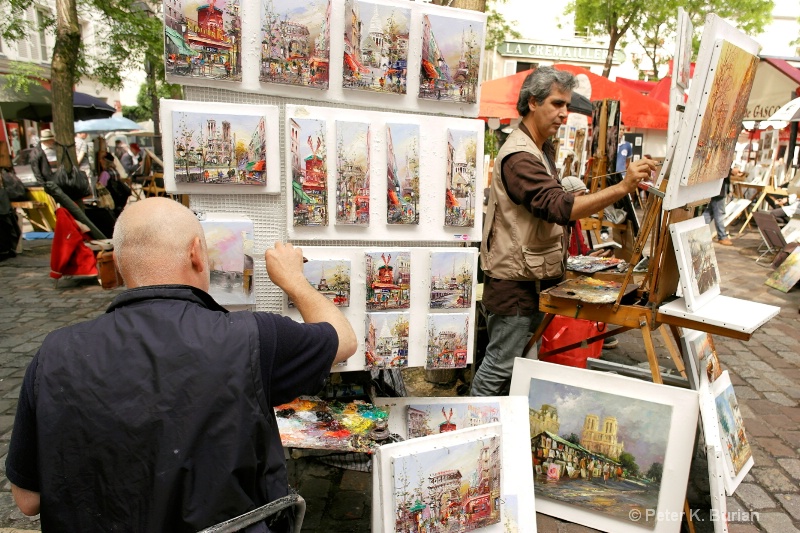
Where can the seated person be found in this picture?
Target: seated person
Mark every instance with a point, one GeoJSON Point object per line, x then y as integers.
{"type": "Point", "coordinates": [784, 209]}
{"type": "Point", "coordinates": [132, 162]}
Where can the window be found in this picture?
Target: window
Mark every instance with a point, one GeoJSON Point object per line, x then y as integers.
{"type": "Point", "coordinates": [523, 66]}
{"type": "Point", "coordinates": [41, 17]}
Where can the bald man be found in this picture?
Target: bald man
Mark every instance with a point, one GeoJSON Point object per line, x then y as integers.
{"type": "Point", "coordinates": [157, 415]}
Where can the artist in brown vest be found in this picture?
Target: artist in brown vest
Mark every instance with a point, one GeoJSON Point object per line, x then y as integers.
{"type": "Point", "coordinates": [523, 249]}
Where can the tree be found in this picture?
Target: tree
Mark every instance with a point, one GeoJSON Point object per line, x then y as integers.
{"type": "Point", "coordinates": [655, 472]}
{"type": "Point", "coordinates": [574, 438]}
{"type": "Point", "coordinates": [628, 462]}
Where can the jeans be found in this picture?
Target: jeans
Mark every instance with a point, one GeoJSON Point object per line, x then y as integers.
{"type": "Point", "coordinates": [716, 208]}
{"type": "Point", "coordinates": [507, 338]}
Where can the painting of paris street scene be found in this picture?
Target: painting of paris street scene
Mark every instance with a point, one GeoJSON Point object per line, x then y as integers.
{"type": "Point", "coordinates": [352, 173]}
{"type": "Point", "coordinates": [309, 171]}
{"type": "Point", "coordinates": [295, 44]}
{"type": "Point", "coordinates": [451, 280]}
{"type": "Point", "coordinates": [388, 280]}
{"type": "Point", "coordinates": [402, 179]}
{"type": "Point", "coordinates": [460, 180]}
{"type": "Point", "coordinates": [376, 47]}
{"type": "Point", "coordinates": [596, 450]}
{"type": "Point", "coordinates": [203, 40]}
{"type": "Point", "coordinates": [330, 278]}
{"type": "Point", "coordinates": [219, 148]}
{"type": "Point", "coordinates": [447, 340]}
{"type": "Point", "coordinates": [451, 56]}
{"type": "Point", "coordinates": [430, 419]}
{"type": "Point", "coordinates": [387, 340]}
{"type": "Point", "coordinates": [735, 446]}
{"type": "Point", "coordinates": [451, 489]}
{"type": "Point", "coordinates": [230, 260]}
{"type": "Point", "coordinates": [705, 272]}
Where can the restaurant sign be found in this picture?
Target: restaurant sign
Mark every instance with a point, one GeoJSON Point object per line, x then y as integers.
{"type": "Point", "coordinates": [559, 52]}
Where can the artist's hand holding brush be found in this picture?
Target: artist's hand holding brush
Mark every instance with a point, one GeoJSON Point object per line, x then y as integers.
{"type": "Point", "coordinates": [589, 204]}
{"type": "Point", "coordinates": [285, 269]}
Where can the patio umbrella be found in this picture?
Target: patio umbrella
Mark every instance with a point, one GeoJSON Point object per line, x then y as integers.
{"type": "Point", "coordinates": [13, 102]}
{"type": "Point", "coordinates": [100, 125]}
{"type": "Point", "coordinates": [85, 106]}
{"type": "Point", "coordinates": [788, 112]}
{"type": "Point", "coordinates": [88, 107]}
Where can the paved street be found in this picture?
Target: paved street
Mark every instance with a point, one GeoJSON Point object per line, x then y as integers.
{"type": "Point", "coordinates": [765, 372]}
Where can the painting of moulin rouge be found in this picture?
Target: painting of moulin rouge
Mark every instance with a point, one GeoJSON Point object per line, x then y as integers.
{"type": "Point", "coordinates": [387, 340]}
{"type": "Point", "coordinates": [430, 419]}
{"type": "Point", "coordinates": [447, 340]}
{"type": "Point", "coordinates": [295, 43]}
{"type": "Point", "coordinates": [451, 280]}
{"type": "Point", "coordinates": [451, 489]}
{"type": "Point", "coordinates": [219, 149]}
{"type": "Point", "coordinates": [352, 167]}
{"type": "Point", "coordinates": [459, 209]}
{"type": "Point", "coordinates": [330, 278]}
{"type": "Point", "coordinates": [203, 40]}
{"type": "Point", "coordinates": [402, 179]}
{"type": "Point", "coordinates": [375, 47]}
{"type": "Point", "coordinates": [596, 450]}
{"type": "Point", "coordinates": [451, 57]}
{"type": "Point", "coordinates": [388, 280]}
{"type": "Point", "coordinates": [309, 172]}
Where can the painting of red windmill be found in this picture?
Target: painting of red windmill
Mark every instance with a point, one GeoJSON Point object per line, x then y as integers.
{"type": "Point", "coordinates": [388, 280]}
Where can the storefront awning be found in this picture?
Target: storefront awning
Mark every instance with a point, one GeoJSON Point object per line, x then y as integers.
{"type": "Point", "coordinates": [178, 41]}
{"type": "Point", "coordinates": [429, 69]}
{"type": "Point", "coordinates": [209, 42]}
{"type": "Point", "coordinates": [353, 64]}
{"type": "Point", "coordinates": [298, 191]}
{"type": "Point", "coordinates": [775, 84]}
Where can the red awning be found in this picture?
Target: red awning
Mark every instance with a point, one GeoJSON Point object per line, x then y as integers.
{"type": "Point", "coordinates": [350, 62]}
{"type": "Point", "coordinates": [641, 86]}
{"type": "Point", "coordinates": [429, 69]}
{"type": "Point", "coordinates": [209, 42]}
{"type": "Point", "coordinates": [450, 200]}
{"type": "Point", "coordinates": [393, 198]}
{"type": "Point", "coordinates": [260, 166]}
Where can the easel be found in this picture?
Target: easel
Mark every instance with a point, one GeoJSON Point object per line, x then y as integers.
{"type": "Point", "coordinates": [768, 189]}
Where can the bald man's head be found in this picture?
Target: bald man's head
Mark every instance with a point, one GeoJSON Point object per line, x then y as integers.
{"type": "Point", "coordinates": [158, 241]}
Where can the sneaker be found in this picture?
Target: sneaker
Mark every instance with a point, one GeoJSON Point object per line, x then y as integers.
{"type": "Point", "coordinates": [610, 343]}
{"type": "Point", "coordinates": [726, 242]}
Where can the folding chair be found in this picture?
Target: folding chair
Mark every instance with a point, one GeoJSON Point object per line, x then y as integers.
{"type": "Point", "coordinates": [773, 238]}
{"type": "Point", "coordinates": [263, 512]}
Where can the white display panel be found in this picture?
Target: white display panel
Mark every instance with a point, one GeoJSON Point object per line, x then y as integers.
{"type": "Point", "coordinates": [725, 312]}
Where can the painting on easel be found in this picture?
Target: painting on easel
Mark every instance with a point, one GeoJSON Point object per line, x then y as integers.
{"type": "Point", "coordinates": [229, 239]}
{"type": "Point", "coordinates": [352, 166]}
{"type": "Point", "coordinates": [697, 262]}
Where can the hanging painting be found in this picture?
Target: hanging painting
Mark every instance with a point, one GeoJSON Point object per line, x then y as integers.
{"type": "Point", "coordinates": [295, 42]}
{"type": "Point", "coordinates": [452, 274]}
{"type": "Point", "coordinates": [352, 173]}
{"type": "Point", "coordinates": [609, 452]}
{"type": "Point", "coordinates": [229, 239]}
{"type": "Point", "coordinates": [432, 418]}
{"type": "Point", "coordinates": [787, 274]}
{"type": "Point", "coordinates": [331, 278]}
{"type": "Point", "coordinates": [448, 335]}
{"type": "Point", "coordinates": [219, 149]}
{"type": "Point", "coordinates": [697, 261]}
{"type": "Point", "coordinates": [375, 47]}
{"type": "Point", "coordinates": [451, 57]}
{"type": "Point", "coordinates": [388, 276]}
{"type": "Point", "coordinates": [738, 457]}
{"type": "Point", "coordinates": [402, 173]}
{"type": "Point", "coordinates": [460, 179]}
{"type": "Point", "coordinates": [454, 488]}
{"type": "Point", "coordinates": [203, 40]}
{"type": "Point", "coordinates": [387, 340]}
{"type": "Point", "coordinates": [309, 171]}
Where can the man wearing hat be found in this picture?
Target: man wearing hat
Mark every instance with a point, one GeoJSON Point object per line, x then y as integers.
{"type": "Point", "coordinates": [131, 161]}
{"type": "Point", "coordinates": [43, 157]}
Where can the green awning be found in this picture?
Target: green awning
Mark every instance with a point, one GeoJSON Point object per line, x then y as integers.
{"type": "Point", "coordinates": [178, 41]}
{"type": "Point", "coordinates": [298, 190]}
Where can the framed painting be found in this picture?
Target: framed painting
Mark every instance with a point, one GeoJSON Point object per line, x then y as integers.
{"type": "Point", "coordinates": [352, 173]}
{"type": "Point", "coordinates": [388, 277]}
{"type": "Point", "coordinates": [609, 452]}
{"type": "Point", "coordinates": [452, 280]}
{"type": "Point", "coordinates": [448, 337]}
{"type": "Point", "coordinates": [376, 47]}
{"type": "Point", "coordinates": [331, 278]}
{"type": "Point", "coordinates": [697, 261]}
{"type": "Point", "coordinates": [309, 168]}
{"type": "Point", "coordinates": [229, 239]}
{"type": "Point", "coordinates": [295, 42]}
{"type": "Point", "coordinates": [402, 173]}
{"type": "Point", "coordinates": [386, 340]}
{"type": "Point", "coordinates": [787, 274]}
{"type": "Point", "coordinates": [460, 199]}
{"type": "Point", "coordinates": [451, 58]}
{"type": "Point", "coordinates": [431, 418]}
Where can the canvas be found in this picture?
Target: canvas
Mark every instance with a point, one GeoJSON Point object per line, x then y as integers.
{"type": "Point", "coordinates": [386, 340]}
{"type": "Point", "coordinates": [460, 200]}
{"type": "Point", "coordinates": [309, 168]}
{"type": "Point", "coordinates": [702, 358]}
{"type": "Point", "coordinates": [719, 503]}
{"type": "Point", "coordinates": [455, 488]}
{"type": "Point", "coordinates": [203, 41]}
{"type": "Point", "coordinates": [448, 337]}
{"type": "Point", "coordinates": [452, 278]}
{"type": "Point", "coordinates": [330, 278]}
{"type": "Point", "coordinates": [376, 47]}
{"type": "Point", "coordinates": [402, 173]}
{"type": "Point", "coordinates": [697, 261]}
{"type": "Point", "coordinates": [681, 69]}
{"type": "Point", "coordinates": [767, 145]}
{"type": "Point", "coordinates": [352, 173]}
{"type": "Point", "coordinates": [229, 239]}
{"type": "Point", "coordinates": [451, 57]}
{"type": "Point", "coordinates": [787, 274]}
{"type": "Point", "coordinates": [425, 419]}
{"type": "Point", "coordinates": [738, 457]}
{"type": "Point", "coordinates": [388, 277]}
{"type": "Point", "coordinates": [609, 452]}
{"type": "Point", "coordinates": [219, 149]}
{"type": "Point", "coordinates": [295, 42]}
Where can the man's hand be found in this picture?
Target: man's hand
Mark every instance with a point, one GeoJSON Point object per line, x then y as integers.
{"type": "Point", "coordinates": [285, 266]}
{"type": "Point", "coordinates": [638, 171]}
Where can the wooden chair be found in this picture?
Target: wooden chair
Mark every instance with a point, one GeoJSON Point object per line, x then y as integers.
{"type": "Point", "coordinates": [154, 185]}
{"type": "Point", "coordinates": [773, 238]}
{"type": "Point", "coordinates": [39, 209]}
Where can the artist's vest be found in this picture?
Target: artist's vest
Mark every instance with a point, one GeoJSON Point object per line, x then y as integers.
{"type": "Point", "coordinates": [153, 417]}
{"type": "Point", "coordinates": [517, 245]}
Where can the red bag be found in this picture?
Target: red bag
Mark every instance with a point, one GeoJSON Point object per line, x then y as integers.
{"type": "Point", "coordinates": [563, 331]}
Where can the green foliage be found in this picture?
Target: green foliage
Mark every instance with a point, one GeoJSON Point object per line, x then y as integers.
{"type": "Point", "coordinates": [22, 75]}
{"type": "Point", "coordinates": [497, 28]}
{"type": "Point", "coordinates": [655, 472]}
{"type": "Point", "coordinates": [628, 462]}
{"type": "Point", "coordinates": [573, 438]}
{"type": "Point", "coordinates": [490, 144]}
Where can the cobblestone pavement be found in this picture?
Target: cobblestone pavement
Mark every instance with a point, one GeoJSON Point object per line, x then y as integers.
{"type": "Point", "coordinates": [765, 372]}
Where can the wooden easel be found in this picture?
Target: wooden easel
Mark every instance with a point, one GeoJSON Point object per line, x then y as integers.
{"type": "Point", "coordinates": [768, 189]}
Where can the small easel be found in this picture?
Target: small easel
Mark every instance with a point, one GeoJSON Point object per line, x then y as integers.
{"type": "Point", "coordinates": [768, 189]}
